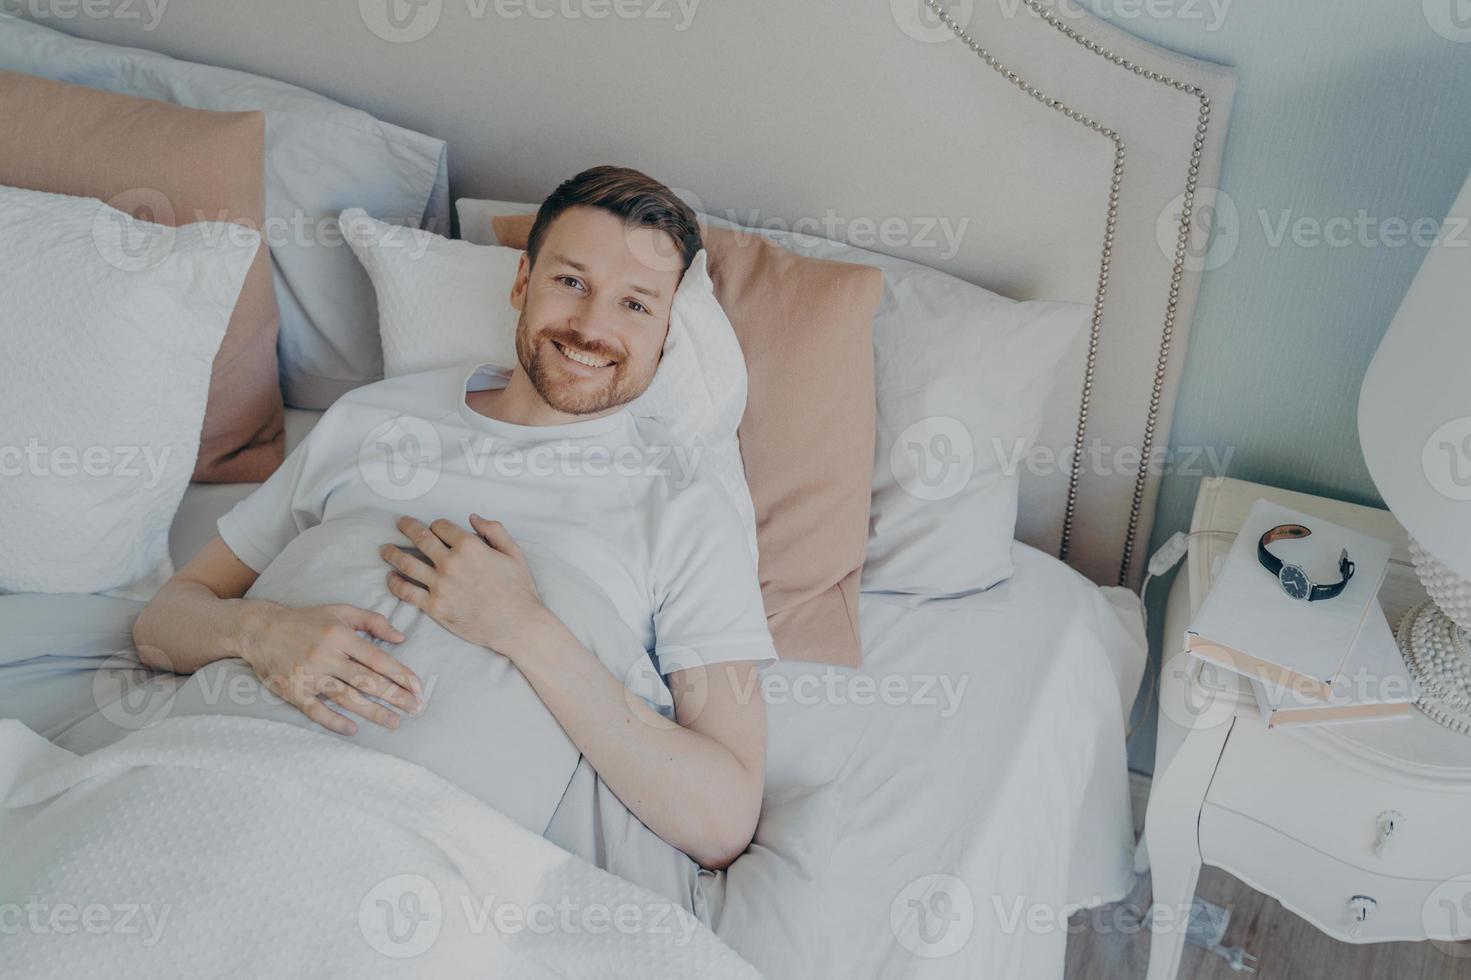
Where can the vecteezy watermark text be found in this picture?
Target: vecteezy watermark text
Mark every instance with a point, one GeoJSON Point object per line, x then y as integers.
{"type": "Point", "coordinates": [33, 458]}
{"type": "Point", "coordinates": [1098, 458]}
{"type": "Point", "coordinates": [942, 692]}
{"type": "Point", "coordinates": [941, 234]}
{"type": "Point", "coordinates": [1209, 14]}
{"type": "Point", "coordinates": [402, 916]}
{"type": "Point", "coordinates": [130, 696]}
{"type": "Point", "coordinates": [676, 463]}
{"type": "Point", "coordinates": [37, 917]}
{"type": "Point", "coordinates": [150, 236]}
{"type": "Point", "coordinates": [1451, 19]}
{"type": "Point", "coordinates": [1446, 458]}
{"type": "Point", "coordinates": [149, 11]}
{"type": "Point", "coordinates": [921, 19]}
{"type": "Point", "coordinates": [407, 21]}
{"type": "Point", "coordinates": [1361, 229]}
{"type": "Point", "coordinates": [1217, 228]}
{"type": "Point", "coordinates": [402, 459]}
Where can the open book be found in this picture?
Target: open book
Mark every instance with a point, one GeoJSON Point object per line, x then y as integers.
{"type": "Point", "coordinates": [1249, 625]}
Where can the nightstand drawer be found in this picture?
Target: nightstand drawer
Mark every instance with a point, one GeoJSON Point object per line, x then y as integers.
{"type": "Point", "coordinates": [1304, 785]}
{"type": "Point", "coordinates": [1324, 891]}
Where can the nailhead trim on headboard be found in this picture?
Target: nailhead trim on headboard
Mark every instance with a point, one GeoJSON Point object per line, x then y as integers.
{"type": "Point", "coordinates": [1182, 244]}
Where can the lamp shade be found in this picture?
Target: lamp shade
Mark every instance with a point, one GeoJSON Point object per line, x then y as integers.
{"type": "Point", "coordinates": [1415, 404]}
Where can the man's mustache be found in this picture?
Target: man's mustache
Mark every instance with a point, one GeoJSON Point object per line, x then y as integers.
{"type": "Point", "coordinates": [571, 338]}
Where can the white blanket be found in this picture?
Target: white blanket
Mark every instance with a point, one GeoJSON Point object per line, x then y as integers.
{"type": "Point", "coordinates": [1015, 786]}
{"type": "Point", "coordinates": [229, 846]}
{"type": "Point", "coordinates": [939, 811]}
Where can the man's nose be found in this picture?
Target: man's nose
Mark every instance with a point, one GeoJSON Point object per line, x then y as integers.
{"type": "Point", "coordinates": [592, 327]}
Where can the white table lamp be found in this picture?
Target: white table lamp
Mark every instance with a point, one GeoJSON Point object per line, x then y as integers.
{"type": "Point", "coordinates": [1415, 430]}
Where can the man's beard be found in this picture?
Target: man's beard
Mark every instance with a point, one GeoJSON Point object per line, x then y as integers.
{"type": "Point", "coordinates": [567, 393]}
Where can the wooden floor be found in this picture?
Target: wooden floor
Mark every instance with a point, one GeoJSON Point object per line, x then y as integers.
{"type": "Point", "coordinates": [1104, 946]}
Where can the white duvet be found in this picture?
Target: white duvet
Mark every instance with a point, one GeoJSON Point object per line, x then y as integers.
{"type": "Point", "coordinates": [941, 810]}
{"type": "Point", "coordinates": [165, 855]}
{"type": "Point", "coordinates": [940, 826]}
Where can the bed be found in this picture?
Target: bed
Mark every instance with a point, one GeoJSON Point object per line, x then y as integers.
{"type": "Point", "coordinates": [974, 766]}
{"type": "Point", "coordinates": [969, 780]}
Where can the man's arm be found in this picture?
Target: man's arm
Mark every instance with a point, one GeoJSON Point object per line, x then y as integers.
{"type": "Point", "coordinates": [199, 616]}
{"type": "Point", "coordinates": [696, 781]}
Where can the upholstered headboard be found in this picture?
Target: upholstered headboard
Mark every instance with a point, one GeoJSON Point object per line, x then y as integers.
{"type": "Point", "coordinates": [1021, 144]}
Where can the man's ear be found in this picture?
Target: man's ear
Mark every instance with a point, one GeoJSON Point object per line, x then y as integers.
{"type": "Point", "coordinates": [518, 290]}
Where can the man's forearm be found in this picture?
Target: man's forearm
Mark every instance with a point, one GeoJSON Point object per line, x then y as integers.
{"type": "Point", "coordinates": [697, 784]}
{"type": "Point", "coordinates": [685, 786]}
{"type": "Point", "coordinates": [187, 626]}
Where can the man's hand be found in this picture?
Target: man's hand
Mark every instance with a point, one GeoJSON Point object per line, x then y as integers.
{"type": "Point", "coordinates": [477, 586]}
{"type": "Point", "coordinates": [302, 653]}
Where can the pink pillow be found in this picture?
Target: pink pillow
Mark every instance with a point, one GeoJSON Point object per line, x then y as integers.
{"type": "Point", "coordinates": [806, 330]}
{"type": "Point", "coordinates": [172, 166]}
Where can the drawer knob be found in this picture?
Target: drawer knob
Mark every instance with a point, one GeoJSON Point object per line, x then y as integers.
{"type": "Point", "coordinates": [1387, 822]}
{"type": "Point", "coordinates": [1360, 906]}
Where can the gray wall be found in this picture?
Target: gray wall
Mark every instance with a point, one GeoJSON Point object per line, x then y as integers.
{"type": "Point", "coordinates": [1353, 118]}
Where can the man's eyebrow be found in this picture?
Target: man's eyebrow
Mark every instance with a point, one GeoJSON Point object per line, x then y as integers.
{"type": "Point", "coordinates": [651, 293]}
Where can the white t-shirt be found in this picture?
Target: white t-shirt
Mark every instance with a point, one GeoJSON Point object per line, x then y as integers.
{"type": "Point", "coordinates": [611, 495]}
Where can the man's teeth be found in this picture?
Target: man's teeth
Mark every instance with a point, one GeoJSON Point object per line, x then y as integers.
{"type": "Point", "coordinates": [580, 357]}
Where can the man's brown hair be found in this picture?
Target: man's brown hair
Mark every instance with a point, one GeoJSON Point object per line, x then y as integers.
{"type": "Point", "coordinates": [637, 198]}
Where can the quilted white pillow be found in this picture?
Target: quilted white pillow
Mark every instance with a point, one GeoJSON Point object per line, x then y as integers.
{"type": "Point", "coordinates": [109, 328]}
{"type": "Point", "coordinates": [440, 302]}
{"type": "Point", "coordinates": [444, 302]}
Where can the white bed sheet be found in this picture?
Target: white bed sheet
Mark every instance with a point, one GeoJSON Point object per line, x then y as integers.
{"type": "Point", "coordinates": [923, 812]}
{"type": "Point", "coordinates": [1017, 801]}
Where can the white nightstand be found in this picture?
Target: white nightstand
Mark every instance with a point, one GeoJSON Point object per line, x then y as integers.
{"type": "Point", "coordinates": [1363, 830]}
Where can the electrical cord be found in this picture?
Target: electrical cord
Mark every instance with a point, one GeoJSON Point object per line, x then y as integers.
{"type": "Point", "coordinates": [1165, 558]}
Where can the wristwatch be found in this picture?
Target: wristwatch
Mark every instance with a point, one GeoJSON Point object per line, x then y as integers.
{"type": "Point", "coordinates": [1294, 580]}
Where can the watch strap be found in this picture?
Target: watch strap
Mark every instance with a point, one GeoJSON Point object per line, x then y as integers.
{"type": "Point", "coordinates": [1345, 571]}
{"type": "Point", "coordinates": [1270, 561]}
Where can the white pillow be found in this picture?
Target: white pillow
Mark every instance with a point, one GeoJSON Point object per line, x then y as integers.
{"type": "Point", "coordinates": [962, 379]}
{"type": "Point", "coordinates": [321, 156]}
{"type": "Point", "coordinates": [444, 302]}
{"type": "Point", "coordinates": [110, 326]}
{"type": "Point", "coordinates": [440, 302]}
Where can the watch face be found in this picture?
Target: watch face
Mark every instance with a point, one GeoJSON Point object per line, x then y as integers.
{"type": "Point", "coordinates": [1294, 582]}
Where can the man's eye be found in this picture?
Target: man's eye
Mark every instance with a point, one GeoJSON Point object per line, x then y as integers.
{"type": "Point", "coordinates": [571, 281]}
{"type": "Point", "coordinates": [637, 307]}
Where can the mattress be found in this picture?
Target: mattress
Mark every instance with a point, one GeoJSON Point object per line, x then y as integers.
{"type": "Point", "coordinates": [923, 813]}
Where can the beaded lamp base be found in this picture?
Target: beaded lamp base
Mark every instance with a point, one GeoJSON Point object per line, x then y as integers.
{"type": "Point", "coordinates": [1438, 654]}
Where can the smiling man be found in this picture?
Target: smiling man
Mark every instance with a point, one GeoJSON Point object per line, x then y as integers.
{"type": "Point", "coordinates": [594, 292]}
